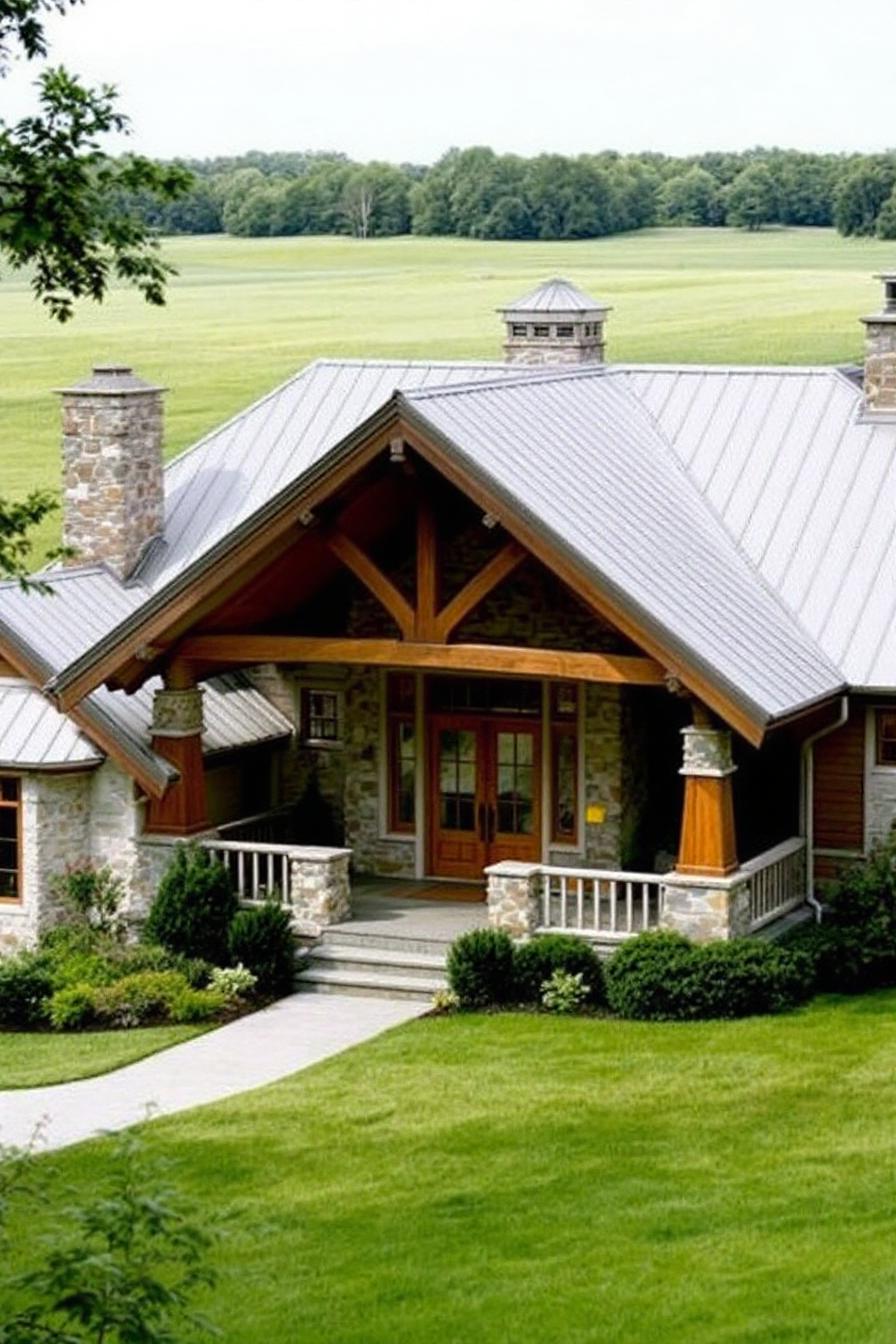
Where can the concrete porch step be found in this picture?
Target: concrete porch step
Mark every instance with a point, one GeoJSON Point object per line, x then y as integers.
{"type": "Point", "coordinates": [383, 944]}
{"type": "Point", "coordinates": [347, 957]}
{"type": "Point", "coordinates": [369, 982]}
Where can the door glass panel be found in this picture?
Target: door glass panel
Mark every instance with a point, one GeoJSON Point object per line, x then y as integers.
{"type": "Point", "coordinates": [516, 783]}
{"type": "Point", "coordinates": [457, 780]}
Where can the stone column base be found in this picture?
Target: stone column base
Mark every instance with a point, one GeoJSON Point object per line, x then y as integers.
{"type": "Point", "coordinates": [706, 908]}
{"type": "Point", "coordinates": [513, 897]}
{"type": "Point", "coordinates": [319, 888]}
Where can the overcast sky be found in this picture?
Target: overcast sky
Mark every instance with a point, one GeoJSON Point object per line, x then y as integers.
{"type": "Point", "coordinates": [405, 79]}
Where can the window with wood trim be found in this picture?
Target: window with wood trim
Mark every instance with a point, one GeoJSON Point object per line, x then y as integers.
{"type": "Point", "coordinates": [321, 717]}
{"type": "Point", "coordinates": [886, 736]}
{"type": "Point", "coordinates": [564, 762]}
{"type": "Point", "coordinates": [10, 839]}
{"type": "Point", "coordinates": [401, 751]}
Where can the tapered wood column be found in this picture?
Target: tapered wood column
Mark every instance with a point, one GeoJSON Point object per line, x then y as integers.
{"type": "Point", "coordinates": [708, 845]}
{"type": "Point", "coordinates": [177, 736]}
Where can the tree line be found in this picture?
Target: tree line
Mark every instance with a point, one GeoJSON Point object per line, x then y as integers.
{"type": "Point", "coordinates": [476, 193]}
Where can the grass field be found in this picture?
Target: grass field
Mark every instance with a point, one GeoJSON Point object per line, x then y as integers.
{"type": "Point", "coordinates": [244, 314]}
{"type": "Point", "coordinates": [481, 1180]}
{"type": "Point", "coordinates": [36, 1059]}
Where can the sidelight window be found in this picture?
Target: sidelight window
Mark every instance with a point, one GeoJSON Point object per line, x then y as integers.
{"type": "Point", "coordinates": [564, 762]}
{"type": "Point", "coordinates": [401, 751]}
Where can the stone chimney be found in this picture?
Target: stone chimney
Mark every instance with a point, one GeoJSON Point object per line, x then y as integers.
{"type": "Point", "coordinates": [113, 488]}
{"type": "Point", "coordinates": [880, 352]}
{"type": "Point", "coordinates": [555, 324]}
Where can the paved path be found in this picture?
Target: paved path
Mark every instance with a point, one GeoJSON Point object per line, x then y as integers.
{"type": "Point", "coordinates": [290, 1035]}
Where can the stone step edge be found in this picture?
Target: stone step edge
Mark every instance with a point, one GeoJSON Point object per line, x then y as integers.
{"type": "Point", "coordinates": [405, 984]}
{"type": "Point", "coordinates": [375, 956]}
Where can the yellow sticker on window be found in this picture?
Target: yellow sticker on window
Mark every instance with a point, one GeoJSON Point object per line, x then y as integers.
{"type": "Point", "coordinates": [595, 814]}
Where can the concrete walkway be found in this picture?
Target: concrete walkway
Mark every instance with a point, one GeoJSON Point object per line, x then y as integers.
{"type": "Point", "coordinates": [290, 1035]}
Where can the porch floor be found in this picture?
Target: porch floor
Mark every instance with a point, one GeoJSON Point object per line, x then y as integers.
{"type": "Point", "coordinates": [392, 907]}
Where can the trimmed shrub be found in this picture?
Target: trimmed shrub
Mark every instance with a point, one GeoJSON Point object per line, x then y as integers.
{"type": "Point", "coordinates": [855, 946]}
{"type": "Point", "coordinates": [643, 977]}
{"type": "Point", "coordinates": [193, 907]}
{"type": "Point", "coordinates": [535, 961]}
{"type": "Point", "coordinates": [196, 1005]}
{"type": "Point", "coordinates": [137, 999]}
{"type": "Point", "coordinates": [665, 977]}
{"type": "Point", "coordinates": [261, 940]}
{"type": "Point", "coordinates": [564, 992]}
{"type": "Point", "coordinates": [481, 968]}
{"type": "Point", "coordinates": [25, 985]}
{"type": "Point", "coordinates": [72, 1008]}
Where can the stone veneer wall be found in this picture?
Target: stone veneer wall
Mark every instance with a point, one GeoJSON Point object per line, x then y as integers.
{"type": "Point", "coordinates": [880, 802]}
{"type": "Point", "coordinates": [55, 832]}
{"type": "Point", "coordinates": [371, 851]}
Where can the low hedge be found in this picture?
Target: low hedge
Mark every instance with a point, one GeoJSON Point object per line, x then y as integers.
{"type": "Point", "coordinates": [663, 977]}
{"type": "Point", "coordinates": [486, 969]}
{"type": "Point", "coordinates": [133, 1001]}
{"type": "Point", "coordinates": [535, 962]}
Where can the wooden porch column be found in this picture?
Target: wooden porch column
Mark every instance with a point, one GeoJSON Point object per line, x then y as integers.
{"type": "Point", "coordinates": [177, 736]}
{"type": "Point", "coordinates": [708, 845]}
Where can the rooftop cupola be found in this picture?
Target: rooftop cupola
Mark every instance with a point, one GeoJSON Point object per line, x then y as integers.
{"type": "Point", "coordinates": [555, 324]}
{"type": "Point", "coordinates": [880, 352]}
{"type": "Point", "coordinates": [113, 485]}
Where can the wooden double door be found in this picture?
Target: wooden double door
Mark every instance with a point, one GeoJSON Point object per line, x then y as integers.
{"type": "Point", "coordinates": [484, 793]}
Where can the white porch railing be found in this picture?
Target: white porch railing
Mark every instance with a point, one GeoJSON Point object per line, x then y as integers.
{"type": "Point", "coordinates": [597, 903]}
{"type": "Point", "coordinates": [777, 881]}
{"type": "Point", "coordinates": [258, 872]}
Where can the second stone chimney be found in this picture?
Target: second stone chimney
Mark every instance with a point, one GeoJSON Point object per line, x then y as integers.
{"type": "Point", "coordinates": [113, 485]}
{"type": "Point", "coordinates": [880, 352]}
{"type": "Point", "coordinates": [555, 324]}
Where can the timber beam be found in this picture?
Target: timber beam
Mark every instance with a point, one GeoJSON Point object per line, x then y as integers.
{"type": "Point", "coordinates": [247, 650]}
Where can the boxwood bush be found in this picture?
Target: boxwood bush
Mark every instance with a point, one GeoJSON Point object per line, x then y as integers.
{"type": "Point", "coordinates": [261, 940]}
{"type": "Point", "coordinates": [535, 962]}
{"type": "Point", "coordinates": [665, 977]}
{"type": "Point", "coordinates": [481, 968]}
{"type": "Point", "coordinates": [193, 907]}
{"type": "Point", "coordinates": [25, 985]}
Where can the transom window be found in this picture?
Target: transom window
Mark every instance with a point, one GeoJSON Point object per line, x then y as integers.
{"type": "Point", "coordinates": [484, 695]}
{"type": "Point", "coordinates": [886, 737]}
{"type": "Point", "coordinates": [10, 839]}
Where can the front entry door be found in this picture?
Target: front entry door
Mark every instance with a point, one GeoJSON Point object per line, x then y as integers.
{"type": "Point", "coordinates": [484, 795]}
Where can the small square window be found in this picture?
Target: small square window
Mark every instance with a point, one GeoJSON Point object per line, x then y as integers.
{"type": "Point", "coordinates": [565, 331]}
{"type": "Point", "coordinates": [321, 718]}
{"type": "Point", "coordinates": [541, 331]}
{"type": "Point", "coordinates": [886, 737]}
{"type": "Point", "coordinates": [519, 329]}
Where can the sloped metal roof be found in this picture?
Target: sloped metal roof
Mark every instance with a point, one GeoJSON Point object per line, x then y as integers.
{"type": "Point", "coordinates": [33, 734]}
{"type": "Point", "coordinates": [579, 454]}
{"type": "Point", "coordinates": [230, 474]}
{"type": "Point", "coordinates": [555, 296]}
{"type": "Point", "coordinates": [805, 489]}
{"type": "Point", "coordinates": [745, 512]}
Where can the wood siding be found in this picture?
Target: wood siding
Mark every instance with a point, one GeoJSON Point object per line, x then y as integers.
{"type": "Point", "coordinates": [839, 817]}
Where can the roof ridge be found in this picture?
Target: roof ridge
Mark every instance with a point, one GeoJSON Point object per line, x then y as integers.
{"type": "Point", "coordinates": [823, 370]}
{"type": "Point", "coordinates": [527, 376]}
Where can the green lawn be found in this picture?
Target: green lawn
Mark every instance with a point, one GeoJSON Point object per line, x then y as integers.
{"type": "Point", "coordinates": [244, 314]}
{"type": "Point", "coordinates": [34, 1059]}
{"type": "Point", "coordinates": [481, 1180]}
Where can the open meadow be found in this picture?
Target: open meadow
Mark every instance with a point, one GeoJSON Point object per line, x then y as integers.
{"type": "Point", "coordinates": [243, 314]}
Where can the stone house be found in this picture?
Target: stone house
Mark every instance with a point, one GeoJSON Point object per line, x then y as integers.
{"type": "Point", "coordinates": [604, 646]}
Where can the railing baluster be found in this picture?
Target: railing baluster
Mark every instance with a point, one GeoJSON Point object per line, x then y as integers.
{"type": "Point", "coordinates": [563, 902]}
{"type": "Point", "coordinates": [629, 911]}
{"type": "Point", "coordinates": [580, 903]}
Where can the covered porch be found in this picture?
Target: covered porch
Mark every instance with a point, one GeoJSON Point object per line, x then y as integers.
{"type": "Point", "coordinates": [470, 707]}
